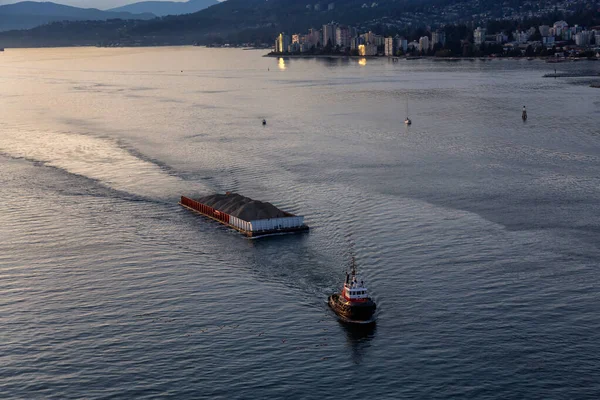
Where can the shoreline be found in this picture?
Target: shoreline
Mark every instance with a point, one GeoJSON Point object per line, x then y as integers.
{"type": "Point", "coordinates": [549, 60]}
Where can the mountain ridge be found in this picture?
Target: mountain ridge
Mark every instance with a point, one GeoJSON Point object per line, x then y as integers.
{"type": "Point", "coordinates": [163, 8]}
{"type": "Point", "coordinates": [30, 14]}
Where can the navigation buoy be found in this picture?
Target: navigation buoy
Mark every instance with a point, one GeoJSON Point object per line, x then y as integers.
{"type": "Point", "coordinates": [524, 114]}
{"type": "Point", "coordinates": [264, 122]}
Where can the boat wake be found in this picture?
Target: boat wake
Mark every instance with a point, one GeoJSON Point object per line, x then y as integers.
{"type": "Point", "coordinates": [103, 160]}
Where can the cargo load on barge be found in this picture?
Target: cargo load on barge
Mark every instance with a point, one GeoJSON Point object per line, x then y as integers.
{"type": "Point", "coordinates": [251, 217]}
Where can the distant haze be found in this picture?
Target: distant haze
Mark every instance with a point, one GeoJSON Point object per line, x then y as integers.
{"type": "Point", "coordinates": [100, 4]}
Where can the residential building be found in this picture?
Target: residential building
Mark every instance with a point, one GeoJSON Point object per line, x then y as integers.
{"type": "Point", "coordinates": [390, 46]}
{"type": "Point", "coordinates": [544, 30]}
{"type": "Point", "coordinates": [282, 43]}
{"type": "Point", "coordinates": [342, 37]}
{"type": "Point", "coordinates": [328, 35]}
{"type": "Point", "coordinates": [479, 35]}
{"type": "Point", "coordinates": [583, 38]}
{"type": "Point", "coordinates": [423, 44]}
{"type": "Point", "coordinates": [367, 50]}
{"type": "Point", "coordinates": [438, 37]}
{"type": "Point", "coordinates": [501, 38]}
{"type": "Point", "coordinates": [521, 37]}
{"type": "Point", "coordinates": [314, 37]}
{"type": "Point", "coordinates": [402, 43]}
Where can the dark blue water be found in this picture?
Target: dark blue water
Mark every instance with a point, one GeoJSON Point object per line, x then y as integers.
{"type": "Point", "coordinates": [477, 234]}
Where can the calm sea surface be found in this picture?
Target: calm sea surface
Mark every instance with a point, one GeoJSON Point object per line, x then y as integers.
{"type": "Point", "coordinates": [478, 234]}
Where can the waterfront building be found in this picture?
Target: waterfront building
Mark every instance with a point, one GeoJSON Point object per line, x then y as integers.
{"type": "Point", "coordinates": [355, 42]}
{"type": "Point", "coordinates": [282, 43]}
{"type": "Point", "coordinates": [521, 37]}
{"type": "Point", "coordinates": [438, 37]}
{"type": "Point", "coordinates": [328, 35]}
{"type": "Point", "coordinates": [559, 27]}
{"type": "Point", "coordinates": [501, 38]}
{"type": "Point", "coordinates": [583, 38]}
{"type": "Point", "coordinates": [479, 35]}
{"type": "Point", "coordinates": [314, 37]}
{"type": "Point", "coordinates": [402, 43]}
{"type": "Point", "coordinates": [368, 49]}
{"type": "Point", "coordinates": [390, 46]}
{"type": "Point", "coordinates": [544, 30]}
{"type": "Point", "coordinates": [369, 37]}
{"type": "Point", "coordinates": [342, 37]}
{"type": "Point", "coordinates": [305, 47]}
{"type": "Point", "coordinates": [423, 44]}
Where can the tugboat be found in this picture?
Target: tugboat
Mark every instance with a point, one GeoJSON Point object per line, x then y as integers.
{"type": "Point", "coordinates": [353, 303]}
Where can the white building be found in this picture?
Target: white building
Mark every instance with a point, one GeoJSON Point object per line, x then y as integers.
{"type": "Point", "coordinates": [479, 35]}
{"type": "Point", "coordinates": [328, 35]}
{"type": "Point", "coordinates": [521, 37]}
{"type": "Point", "coordinates": [544, 30]}
{"type": "Point", "coordinates": [438, 37]}
{"type": "Point", "coordinates": [559, 27]}
{"type": "Point", "coordinates": [423, 43]}
{"type": "Point", "coordinates": [282, 43]}
{"type": "Point", "coordinates": [390, 46]}
{"type": "Point", "coordinates": [342, 37]}
{"type": "Point", "coordinates": [583, 38]}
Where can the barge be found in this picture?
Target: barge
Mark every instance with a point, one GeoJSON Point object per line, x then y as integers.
{"type": "Point", "coordinates": [251, 217]}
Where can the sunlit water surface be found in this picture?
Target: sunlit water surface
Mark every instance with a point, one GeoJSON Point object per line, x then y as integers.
{"type": "Point", "coordinates": [478, 234]}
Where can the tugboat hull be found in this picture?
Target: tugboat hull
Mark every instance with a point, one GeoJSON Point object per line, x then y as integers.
{"type": "Point", "coordinates": [353, 312]}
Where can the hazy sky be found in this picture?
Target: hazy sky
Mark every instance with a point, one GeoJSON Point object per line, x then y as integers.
{"type": "Point", "coordinates": [101, 4]}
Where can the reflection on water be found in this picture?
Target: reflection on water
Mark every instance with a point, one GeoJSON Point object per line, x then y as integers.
{"type": "Point", "coordinates": [282, 64]}
{"type": "Point", "coordinates": [362, 61]}
{"type": "Point", "coordinates": [359, 338]}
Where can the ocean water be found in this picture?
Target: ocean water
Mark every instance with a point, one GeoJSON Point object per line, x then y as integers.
{"type": "Point", "coordinates": [478, 234]}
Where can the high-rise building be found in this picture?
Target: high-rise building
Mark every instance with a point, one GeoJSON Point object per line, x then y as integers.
{"type": "Point", "coordinates": [313, 37]}
{"type": "Point", "coordinates": [402, 43]}
{"type": "Point", "coordinates": [367, 49]}
{"type": "Point", "coordinates": [391, 47]}
{"type": "Point", "coordinates": [282, 43]}
{"type": "Point", "coordinates": [438, 37]}
{"type": "Point", "coordinates": [328, 35]}
{"type": "Point", "coordinates": [423, 43]}
{"type": "Point", "coordinates": [582, 38]}
{"type": "Point", "coordinates": [342, 37]}
{"type": "Point", "coordinates": [559, 27]}
{"type": "Point", "coordinates": [479, 35]}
